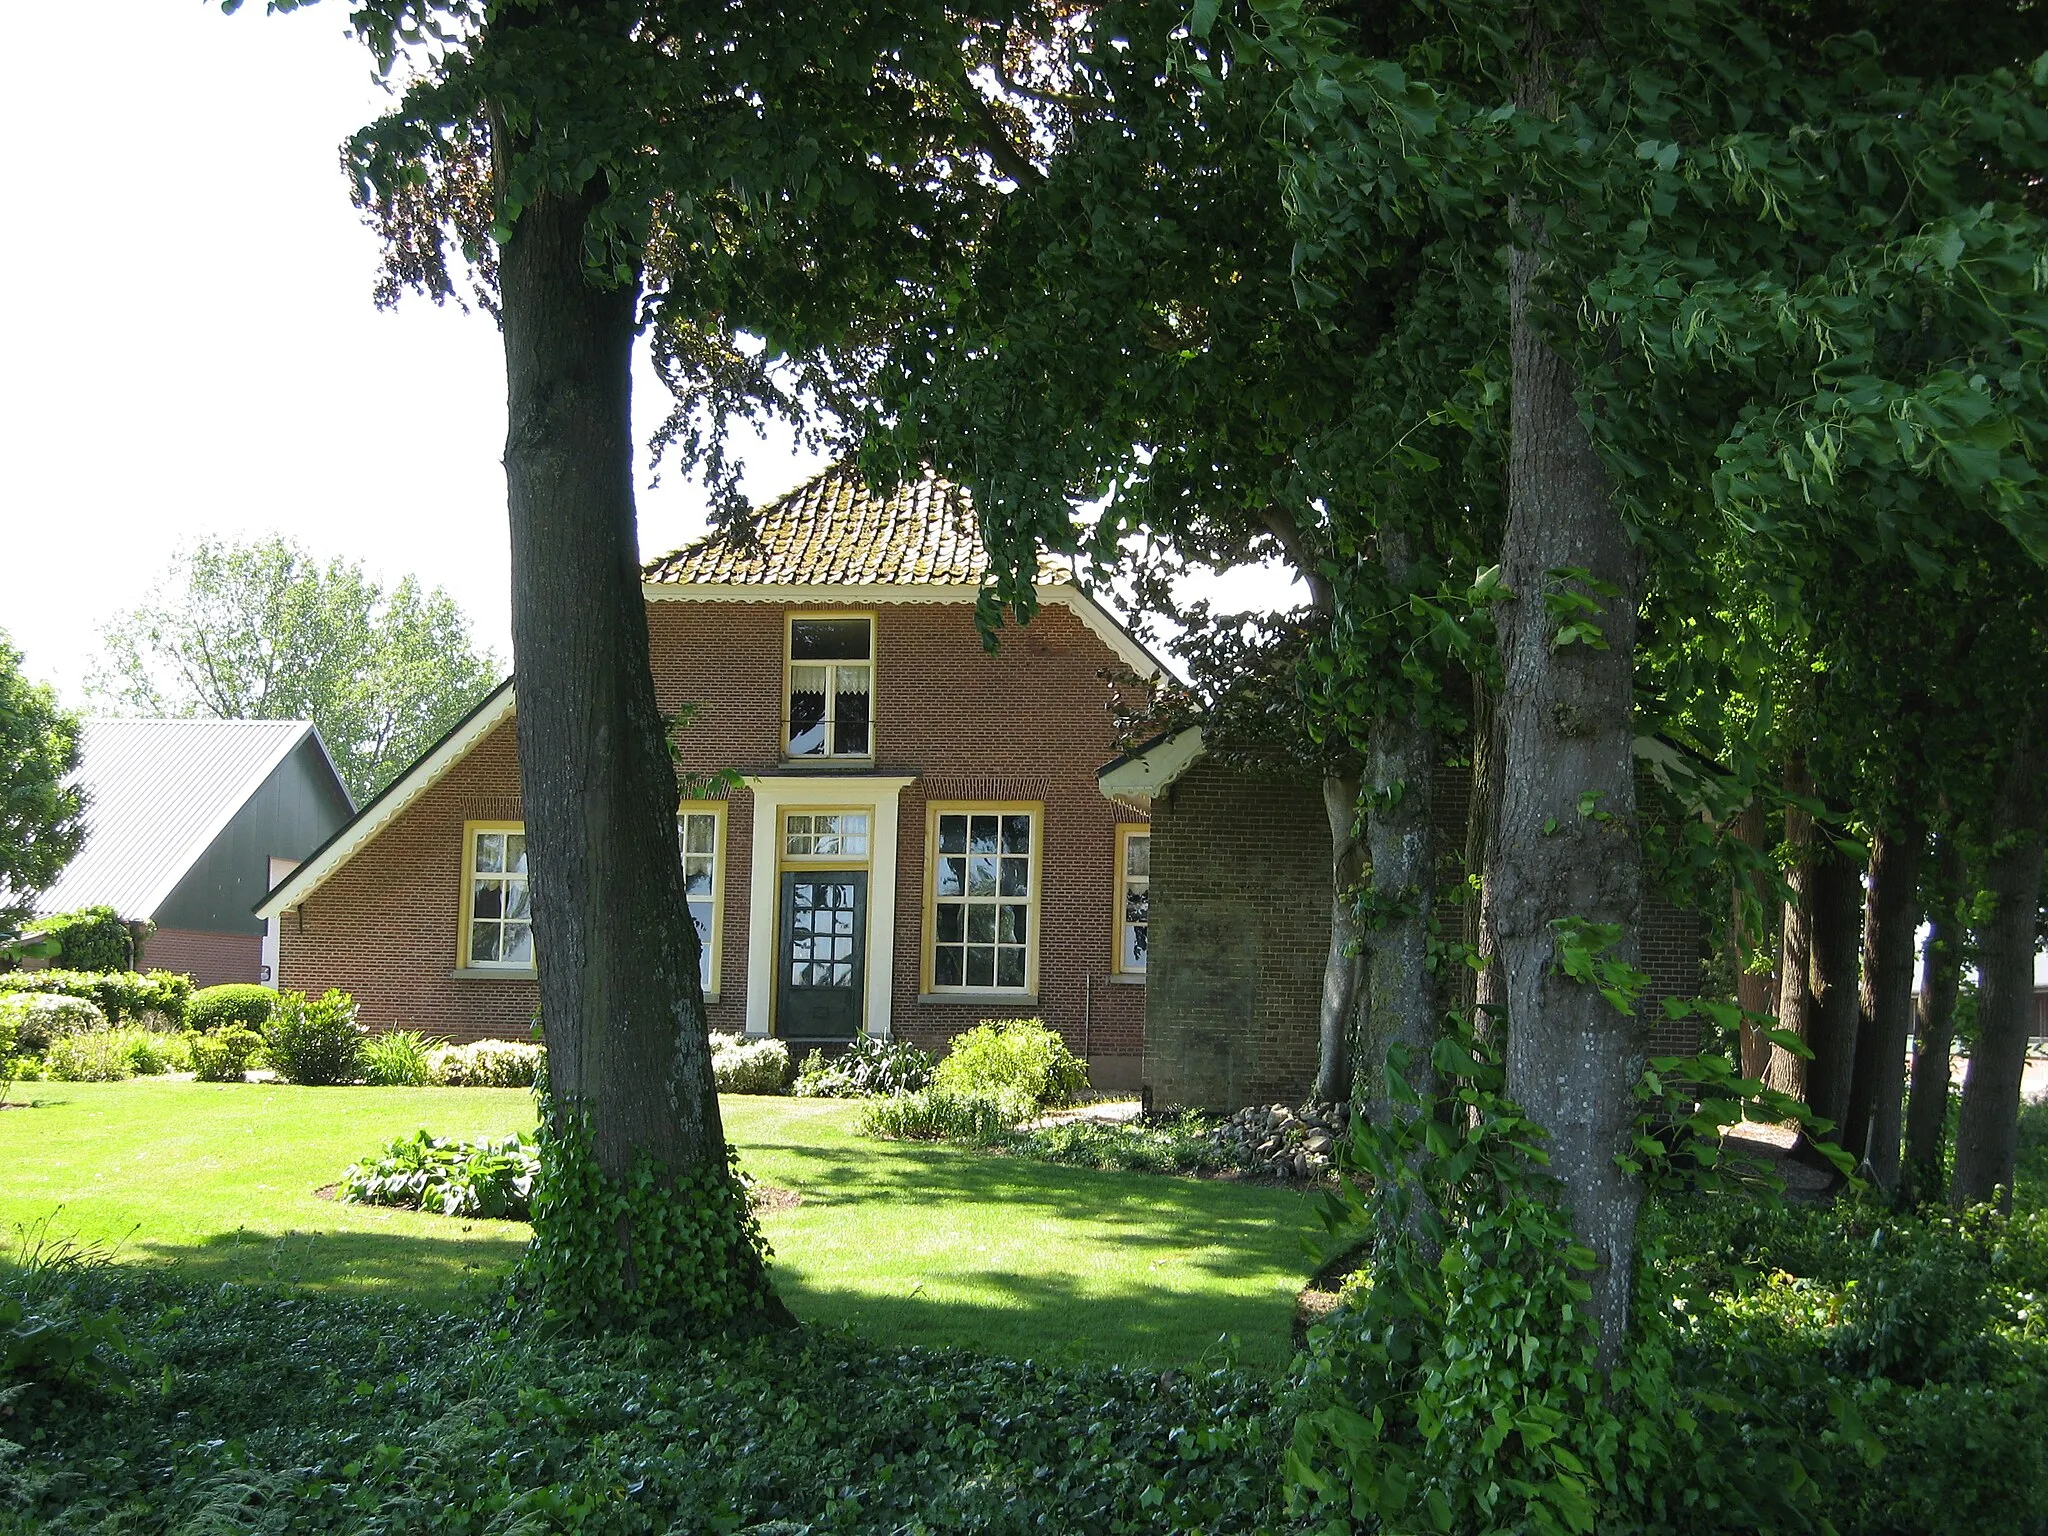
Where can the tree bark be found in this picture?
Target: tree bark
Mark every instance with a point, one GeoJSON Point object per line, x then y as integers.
{"type": "Point", "coordinates": [1987, 1134]}
{"type": "Point", "coordinates": [1891, 916]}
{"type": "Point", "coordinates": [1753, 990]}
{"type": "Point", "coordinates": [621, 1005]}
{"type": "Point", "coordinates": [1482, 995]}
{"type": "Point", "coordinates": [1566, 723]}
{"type": "Point", "coordinates": [1934, 1030]}
{"type": "Point", "coordinates": [1344, 966]}
{"type": "Point", "coordinates": [1787, 1070]}
{"type": "Point", "coordinates": [1832, 971]}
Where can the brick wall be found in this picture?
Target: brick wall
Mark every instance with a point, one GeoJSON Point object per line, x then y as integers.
{"type": "Point", "coordinates": [1026, 723]}
{"type": "Point", "coordinates": [210, 959]}
{"type": "Point", "coordinates": [1241, 928]}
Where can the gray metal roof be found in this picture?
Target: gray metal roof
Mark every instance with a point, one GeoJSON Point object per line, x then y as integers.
{"type": "Point", "coordinates": [159, 792]}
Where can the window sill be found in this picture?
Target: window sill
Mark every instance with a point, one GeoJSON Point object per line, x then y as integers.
{"type": "Point", "coordinates": [1126, 978]}
{"type": "Point", "coordinates": [984, 995]}
{"type": "Point", "coordinates": [824, 764]}
{"type": "Point", "coordinates": [491, 973]}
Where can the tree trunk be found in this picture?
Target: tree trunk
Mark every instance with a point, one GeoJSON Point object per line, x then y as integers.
{"type": "Point", "coordinates": [1481, 993]}
{"type": "Point", "coordinates": [1753, 991]}
{"type": "Point", "coordinates": [628, 1059]}
{"type": "Point", "coordinates": [1891, 915]}
{"type": "Point", "coordinates": [1788, 1069]}
{"type": "Point", "coordinates": [1567, 849]}
{"type": "Point", "coordinates": [1987, 1134]}
{"type": "Point", "coordinates": [1344, 966]}
{"type": "Point", "coordinates": [1934, 1030]}
{"type": "Point", "coordinates": [1401, 997]}
{"type": "Point", "coordinates": [1832, 979]}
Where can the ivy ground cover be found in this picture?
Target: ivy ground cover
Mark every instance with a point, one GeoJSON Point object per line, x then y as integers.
{"type": "Point", "coordinates": [909, 1244]}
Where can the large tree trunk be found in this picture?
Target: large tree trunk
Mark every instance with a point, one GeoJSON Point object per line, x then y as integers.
{"type": "Point", "coordinates": [1891, 916]}
{"type": "Point", "coordinates": [628, 1059]}
{"type": "Point", "coordinates": [1754, 992]}
{"type": "Point", "coordinates": [1344, 966]}
{"type": "Point", "coordinates": [1934, 1029]}
{"type": "Point", "coordinates": [1833, 970]}
{"type": "Point", "coordinates": [1987, 1135]}
{"type": "Point", "coordinates": [1786, 1071]}
{"type": "Point", "coordinates": [1402, 1007]}
{"type": "Point", "coordinates": [1567, 848]}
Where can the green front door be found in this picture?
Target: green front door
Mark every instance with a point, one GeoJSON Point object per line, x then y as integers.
{"type": "Point", "coordinates": [823, 954]}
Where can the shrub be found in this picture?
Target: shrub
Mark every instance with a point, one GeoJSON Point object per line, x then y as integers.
{"type": "Point", "coordinates": [451, 1178]}
{"type": "Point", "coordinates": [1180, 1141]}
{"type": "Point", "coordinates": [235, 1003]}
{"type": "Point", "coordinates": [864, 1069]}
{"type": "Point", "coordinates": [938, 1113]}
{"type": "Point", "coordinates": [112, 1056]}
{"type": "Point", "coordinates": [1006, 1056]}
{"type": "Point", "coordinates": [749, 1066]}
{"type": "Point", "coordinates": [486, 1064]}
{"type": "Point", "coordinates": [398, 1058]}
{"type": "Point", "coordinates": [224, 1056]}
{"type": "Point", "coordinates": [38, 1018]}
{"type": "Point", "coordinates": [315, 1042]}
{"type": "Point", "coordinates": [125, 997]}
{"type": "Point", "coordinates": [90, 939]}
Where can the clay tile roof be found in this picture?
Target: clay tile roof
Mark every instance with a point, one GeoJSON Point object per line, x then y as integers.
{"type": "Point", "coordinates": [833, 531]}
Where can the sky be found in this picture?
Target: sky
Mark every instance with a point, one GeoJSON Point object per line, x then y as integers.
{"type": "Point", "coordinates": [192, 350]}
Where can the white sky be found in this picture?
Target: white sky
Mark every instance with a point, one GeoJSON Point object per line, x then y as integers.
{"type": "Point", "coordinates": [191, 348]}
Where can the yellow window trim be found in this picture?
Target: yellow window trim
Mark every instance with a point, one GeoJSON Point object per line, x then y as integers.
{"type": "Point", "coordinates": [929, 922]}
{"type": "Point", "coordinates": [1125, 831]}
{"type": "Point", "coordinates": [715, 971]}
{"type": "Point", "coordinates": [789, 619]}
{"type": "Point", "coordinates": [784, 859]}
{"type": "Point", "coordinates": [470, 829]}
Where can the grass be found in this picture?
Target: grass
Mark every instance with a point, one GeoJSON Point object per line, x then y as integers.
{"type": "Point", "coordinates": [909, 1244]}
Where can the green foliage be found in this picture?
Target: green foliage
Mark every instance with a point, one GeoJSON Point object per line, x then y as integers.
{"type": "Point", "coordinates": [1177, 1142]}
{"type": "Point", "coordinates": [90, 939]}
{"type": "Point", "coordinates": [674, 1252]}
{"type": "Point", "coordinates": [50, 1346]}
{"type": "Point", "coordinates": [487, 1064]}
{"type": "Point", "coordinates": [867, 1068]}
{"type": "Point", "coordinates": [123, 996]}
{"type": "Point", "coordinates": [490, 1178]}
{"type": "Point", "coordinates": [113, 1055]}
{"type": "Point", "coordinates": [315, 1042]}
{"type": "Point", "coordinates": [260, 631]}
{"type": "Point", "coordinates": [346, 1414]}
{"type": "Point", "coordinates": [224, 1055]}
{"type": "Point", "coordinates": [232, 1003]}
{"type": "Point", "coordinates": [1583, 954]}
{"type": "Point", "coordinates": [1012, 1057]}
{"type": "Point", "coordinates": [749, 1066]}
{"type": "Point", "coordinates": [974, 1116]}
{"type": "Point", "coordinates": [40, 824]}
{"type": "Point", "coordinates": [34, 1019]}
{"type": "Point", "coordinates": [399, 1058]}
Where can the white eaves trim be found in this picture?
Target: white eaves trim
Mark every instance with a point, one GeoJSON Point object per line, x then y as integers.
{"type": "Point", "coordinates": [381, 811]}
{"type": "Point", "coordinates": [231, 807]}
{"type": "Point", "coordinates": [1135, 779]}
{"type": "Point", "coordinates": [1084, 607]}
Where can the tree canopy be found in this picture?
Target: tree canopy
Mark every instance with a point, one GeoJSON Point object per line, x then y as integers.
{"type": "Point", "coordinates": [40, 812]}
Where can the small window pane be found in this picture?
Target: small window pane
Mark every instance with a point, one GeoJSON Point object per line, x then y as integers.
{"type": "Point", "coordinates": [486, 899]}
{"type": "Point", "coordinates": [952, 877]}
{"type": "Point", "coordinates": [981, 965]}
{"type": "Point", "coordinates": [1138, 855]}
{"type": "Point", "coordinates": [518, 901]}
{"type": "Point", "coordinates": [1009, 967]}
{"type": "Point", "coordinates": [981, 875]}
{"type": "Point", "coordinates": [947, 970]}
{"type": "Point", "coordinates": [983, 834]}
{"type": "Point", "coordinates": [518, 946]}
{"type": "Point", "coordinates": [1011, 928]}
{"type": "Point", "coordinates": [701, 834]}
{"type": "Point", "coordinates": [483, 942]}
{"type": "Point", "coordinates": [952, 923]}
{"type": "Point", "coordinates": [828, 640]}
{"type": "Point", "coordinates": [1134, 947]}
{"type": "Point", "coordinates": [952, 834]}
{"type": "Point", "coordinates": [515, 853]}
{"type": "Point", "coordinates": [697, 876]}
{"type": "Point", "coordinates": [1016, 834]}
{"type": "Point", "coordinates": [1137, 904]}
{"type": "Point", "coordinates": [981, 923]}
{"type": "Point", "coordinates": [1016, 877]}
{"type": "Point", "coordinates": [490, 853]}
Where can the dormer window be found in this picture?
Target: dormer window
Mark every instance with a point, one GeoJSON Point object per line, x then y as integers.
{"type": "Point", "coordinates": [831, 683]}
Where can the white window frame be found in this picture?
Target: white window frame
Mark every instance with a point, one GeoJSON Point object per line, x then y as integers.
{"type": "Point", "coordinates": [712, 965]}
{"type": "Point", "coordinates": [466, 958]}
{"type": "Point", "coordinates": [1120, 963]}
{"type": "Point", "coordinates": [789, 666]}
{"type": "Point", "coordinates": [934, 867]}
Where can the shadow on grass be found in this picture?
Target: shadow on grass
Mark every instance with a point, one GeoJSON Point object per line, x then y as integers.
{"type": "Point", "coordinates": [431, 1271]}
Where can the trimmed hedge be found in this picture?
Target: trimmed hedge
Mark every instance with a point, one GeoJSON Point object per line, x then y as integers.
{"type": "Point", "coordinates": [123, 996]}
{"type": "Point", "coordinates": [90, 939]}
{"type": "Point", "coordinates": [236, 1002]}
{"type": "Point", "coordinates": [486, 1064]}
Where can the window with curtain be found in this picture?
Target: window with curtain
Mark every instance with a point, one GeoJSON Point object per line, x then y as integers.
{"type": "Point", "coordinates": [1133, 898]}
{"type": "Point", "coordinates": [500, 901]}
{"type": "Point", "coordinates": [831, 686]}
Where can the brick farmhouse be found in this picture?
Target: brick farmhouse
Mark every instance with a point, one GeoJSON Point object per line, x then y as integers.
{"type": "Point", "coordinates": [886, 828]}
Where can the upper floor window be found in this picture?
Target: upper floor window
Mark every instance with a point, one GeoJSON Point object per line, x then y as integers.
{"type": "Point", "coordinates": [831, 686]}
{"type": "Point", "coordinates": [498, 905]}
{"type": "Point", "coordinates": [1133, 897]}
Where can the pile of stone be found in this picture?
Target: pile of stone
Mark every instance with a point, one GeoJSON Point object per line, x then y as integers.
{"type": "Point", "coordinates": [1281, 1142]}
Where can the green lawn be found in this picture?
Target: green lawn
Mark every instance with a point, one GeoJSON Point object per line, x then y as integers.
{"type": "Point", "coordinates": [907, 1243]}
